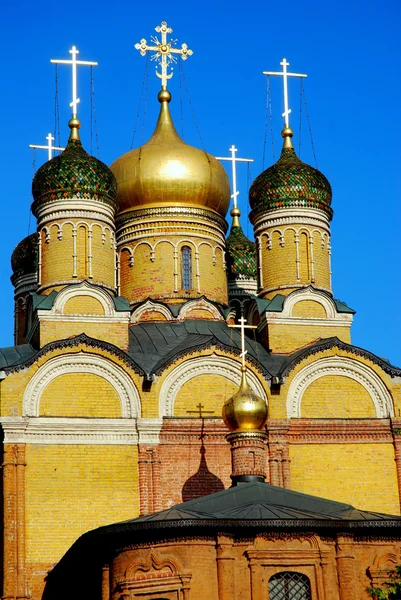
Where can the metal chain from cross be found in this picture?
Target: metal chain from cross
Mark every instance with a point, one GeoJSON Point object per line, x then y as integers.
{"type": "Point", "coordinates": [233, 159]}
{"type": "Point", "coordinates": [74, 63]}
{"type": "Point", "coordinates": [200, 410]}
{"type": "Point", "coordinates": [285, 74]}
{"type": "Point", "coordinates": [242, 326]}
{"type": "Point", "coordinates": [49, 146]}
{"type": "Point", "coordinates": [164, 52]}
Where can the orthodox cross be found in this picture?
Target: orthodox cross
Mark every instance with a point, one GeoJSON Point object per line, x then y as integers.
{"type": "Point", "coordinates": [284, 74]}
{"type": "Point", "coordinates": [49, 146]}
{"type": "Point", "coordinates": [164, 52]}
{"type": "Point", "coordinates": [200, 410]}
{"type": "Point", "coordinates": [242, 326]}
{"type": "Point", "coordinates": [74, 63]}
{"type": "Point", "coordinates": [233, 159]}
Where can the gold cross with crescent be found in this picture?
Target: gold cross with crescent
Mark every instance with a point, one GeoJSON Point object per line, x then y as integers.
{"type": "Point", "coordinates": [164, 52]}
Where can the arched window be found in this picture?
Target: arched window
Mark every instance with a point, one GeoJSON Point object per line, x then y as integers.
{"type": "Point", "coordinates": [186, 268]}
{"type": "Point", "coordinates": [289, 586]}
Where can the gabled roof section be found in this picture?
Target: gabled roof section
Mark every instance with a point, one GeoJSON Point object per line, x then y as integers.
{"type": "Point", "coordinates": [333, 342]}
{"type": "Point", "coordinates": [154, 345]}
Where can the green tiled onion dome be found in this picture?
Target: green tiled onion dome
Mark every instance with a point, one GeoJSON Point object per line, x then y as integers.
{"type": "Point", "coordinates": [74, 174]}
{"type": "Point", "coordinates": [24, 259]}
{"type": "Point", "coordinates": [241, 252]}
{"type": "Point", "coordinates": [290, 183]}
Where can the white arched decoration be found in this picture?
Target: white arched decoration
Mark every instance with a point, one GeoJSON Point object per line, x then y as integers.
{"type": "Point", "coordinates": [82, 363]}
{"type": "Point", "coordinates": [196, 367]}
{"type": "Point", "coordinates": [199, 304]}
{"type": "Point", "coordinates": [345, 367]}
{"type": "Point", "coordinates": [309, 294]}
{"type": "Point", "coordinates": [84, 289]}
{"type": "Point", "coordinates": [151, 306]}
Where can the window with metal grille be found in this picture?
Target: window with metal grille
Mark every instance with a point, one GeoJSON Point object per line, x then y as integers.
{"type": "Point", "coordinates": [186, 268]}
{"type": "Point", "coordinates": [289, 586]}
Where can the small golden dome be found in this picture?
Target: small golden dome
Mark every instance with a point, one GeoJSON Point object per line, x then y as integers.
{"type": "Point", "coordinates": [245, 410]}
{"type": "Point", "coordinates": [167, 171]}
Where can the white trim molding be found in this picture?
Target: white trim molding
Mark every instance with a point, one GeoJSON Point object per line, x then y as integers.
{"type": "Point", "coordinates": [82, 363]}
{"type": "Point", "coordinates": [196, 367]}
{"type": "Point", "coordinates": [62, 431]}
{"type": "Point", "coordinates": [344, 367]}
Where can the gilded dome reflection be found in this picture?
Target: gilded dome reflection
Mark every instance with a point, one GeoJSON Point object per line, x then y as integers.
{"type": "Point", "coordinates": [167, 171]}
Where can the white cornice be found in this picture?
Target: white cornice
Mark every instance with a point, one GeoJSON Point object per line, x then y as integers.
{"type": "Point", "coordinates": [274, 318]}
{"type": "Point", "coordinates": [283, 217]}
{"type": "Point", "coordinates": [68, 431]}
{"type": "Point", "coordinates": [75, 207]}
{"type": "Point", "coordinates": [149, 430]}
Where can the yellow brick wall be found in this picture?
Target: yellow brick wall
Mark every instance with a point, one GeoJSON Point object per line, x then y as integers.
{"type": "Point", "coordinates": [80, 395]}
{"type": "Point", "coordinates": [309, 309]}
{"type": "Point", "coordinates": [114, 333]}
{"type": "Point", "coordinates": [211, 390]}
{"type": "Point", "coordinates": [83, 305]}
{"type": "Point", "coordinates": [279, 263]}
{"type": "Point", "coordinates": [72, 489]}
{"type": "Point", "coordinates": [304, 258]}
{"type": "Point", "coordinates": [321, 261]}
{"type": "Point", "coordinates": [336, 397]}
{"type": "Point", "coordinates": [57, 256]}
{"type": "Point", "coordinates": [82, 252]}
{"type": "Point", "coordinates": [289, 337]}
{"type": "Point", "coordinates": [329, 471]}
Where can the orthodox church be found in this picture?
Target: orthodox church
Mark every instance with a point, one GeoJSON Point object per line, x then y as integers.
{"type": "Point", "coordinates": [130, 343]}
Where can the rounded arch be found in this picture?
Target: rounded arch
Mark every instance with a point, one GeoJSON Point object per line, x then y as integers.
{"type": "Point", "coordinates": [82, 363]}
{"type": "Point", "coordinates": [203, 365]}
{"type": "Point", "coordinates": [84, 289]}
{"type": "Point", "coordinates": [340, 366]}
{"type": "Point", "coordinates": [309, 294]}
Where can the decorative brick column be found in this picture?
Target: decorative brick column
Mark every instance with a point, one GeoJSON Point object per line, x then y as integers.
{"type": "Point", "coordinates": [345, 566]}
{"type": "Point", "coordinates": [149, 480]}
{"type": "Point", "coordinates": [396, 431]}
{"type": "Point", "coordinates": [14, 522]}
{"type": "Point", "coordinates": [248, 456]}
{"type": "Point", "coordinates": [225, 568]}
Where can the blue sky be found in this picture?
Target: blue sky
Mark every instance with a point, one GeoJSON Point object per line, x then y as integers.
{"type": "Point", "coordinates": [351, 53]}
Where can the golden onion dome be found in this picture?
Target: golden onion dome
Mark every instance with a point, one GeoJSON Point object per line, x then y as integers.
{"type": "Point", "coordinates": [167, 171]}
{"type": "Point", "coordinates": [245, 411]}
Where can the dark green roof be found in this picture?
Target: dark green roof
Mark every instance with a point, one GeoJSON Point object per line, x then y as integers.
{"type": "Point", "coordinates": [153, 345]}
{"type": "Point", "coordinates": [262, 502]}
{"type": "Point", "coordinates": [290, 183]}
{"type": "Point", "coordinates": [24, 259]}
{"type": "Point", "coordinates": [74, 174]}
{"type": "Point", "coordinates": [241, 255]}
{"type": "Point", "coordinates": [15, 355]}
